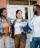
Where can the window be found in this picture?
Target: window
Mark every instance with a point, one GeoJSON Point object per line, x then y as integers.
{"type": "Point", "coordinates": [26, 13]}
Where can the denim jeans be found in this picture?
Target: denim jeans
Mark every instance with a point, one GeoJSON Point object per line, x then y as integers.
{"type": "Point", "coordinates": [35, 42]}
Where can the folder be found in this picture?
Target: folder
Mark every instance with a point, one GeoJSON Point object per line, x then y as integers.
{"type": "Point", "coordinates": [26, 28]}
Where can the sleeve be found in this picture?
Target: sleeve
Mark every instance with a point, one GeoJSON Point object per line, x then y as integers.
{"type": "Point", "coordinates": [10, 22]}
{"type": "Point", "coordinates": [31, 23]}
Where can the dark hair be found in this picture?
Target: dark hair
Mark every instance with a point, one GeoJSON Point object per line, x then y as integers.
{"type": "Point", "coordinates": [35, 13]}
{"type": "Point", "coordinates": [1, 11]}
{"type": "Point", "coordinates": [36, 7]}
{"type": "Point", "coordinates": [17, 12]}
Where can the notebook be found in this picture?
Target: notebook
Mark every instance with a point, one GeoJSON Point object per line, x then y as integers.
{"type": "Point", "coordinates": [26, 28]}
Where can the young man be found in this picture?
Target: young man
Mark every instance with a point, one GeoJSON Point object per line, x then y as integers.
{"type": "Point", "coordinates": [35, 25]}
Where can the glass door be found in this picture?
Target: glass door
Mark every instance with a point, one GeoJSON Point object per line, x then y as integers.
{"type": "Point", "coordinates": [27, 11]}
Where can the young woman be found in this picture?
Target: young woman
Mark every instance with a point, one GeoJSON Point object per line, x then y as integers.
{"type": "Point", "coordinates": [4, 29]}
{"type": "Point", "coordinates": [17, 30]}
{"type": "Point", "coordinates": [35, 25]}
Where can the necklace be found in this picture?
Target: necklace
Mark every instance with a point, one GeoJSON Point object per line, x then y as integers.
{"type": "Point", "coordinates": [4, 21]}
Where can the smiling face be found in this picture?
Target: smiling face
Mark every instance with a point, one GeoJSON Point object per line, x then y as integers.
{"type": "Point", "coordinates": [37, 10]}
{"type": "Point", "coordinates": [4, 13]}
{"type": "Point", "coordinates": [19, 15]}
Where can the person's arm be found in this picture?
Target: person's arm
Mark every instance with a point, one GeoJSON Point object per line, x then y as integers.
{"type": "Point", "coordinates": [2, 32]}
{"type": "Point", "coordinates": [10, 27]}
{"type": "Point", "coordinates": [10, 31]}
{"type": "Point", "coordinates": [31, 24]}
{"type": "Point", "coordinates": [23, 24]}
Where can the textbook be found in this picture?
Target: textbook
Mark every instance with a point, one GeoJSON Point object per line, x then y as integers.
{"type": "Point", "coordinates": [26, 28]}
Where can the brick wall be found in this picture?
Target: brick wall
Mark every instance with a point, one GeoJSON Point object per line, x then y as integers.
{"type": "Point", "coordinates": [3, 3]}
{"type": "Point", "coordinates": [38, 2]}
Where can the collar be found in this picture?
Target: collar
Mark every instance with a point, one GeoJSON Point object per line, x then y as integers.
{"type": "Point", "coordinates": [6, 18]}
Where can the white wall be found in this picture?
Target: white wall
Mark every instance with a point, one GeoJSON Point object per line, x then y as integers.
{"type": "Point", "coordinates": [11, 9]}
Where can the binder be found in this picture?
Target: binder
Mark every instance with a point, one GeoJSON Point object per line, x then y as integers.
{"type": "Point", "coordinates": [26, 28]}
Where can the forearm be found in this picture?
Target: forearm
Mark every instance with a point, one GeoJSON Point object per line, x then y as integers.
{"type": "Point", "coordinates": [10, 32]}
{"type": "Point", "coordinates": [1, 32]}
{"type": "Point", "coordinates": [24, 24]}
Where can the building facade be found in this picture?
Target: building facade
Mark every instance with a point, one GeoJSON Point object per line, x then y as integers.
{"type": "Point", "coordinates": [3, 3]}
{"type": "Point", "coordinates": [25, 5]}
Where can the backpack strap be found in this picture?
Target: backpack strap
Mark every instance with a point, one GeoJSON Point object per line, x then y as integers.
{"type": "Point", "coordinates": [14, 22]}
{"type": "Point", "coordinates": [12, 27]}
{"type": "Point", "coordinates": [23, 20]}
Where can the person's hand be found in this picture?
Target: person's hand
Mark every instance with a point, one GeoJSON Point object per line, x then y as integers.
{"type": "Point", "coordinates": [21, 26]}
{"type": "Point", "coordinates": [29, 31]}
{"type": "Point", "coordinates": [2, 32]}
